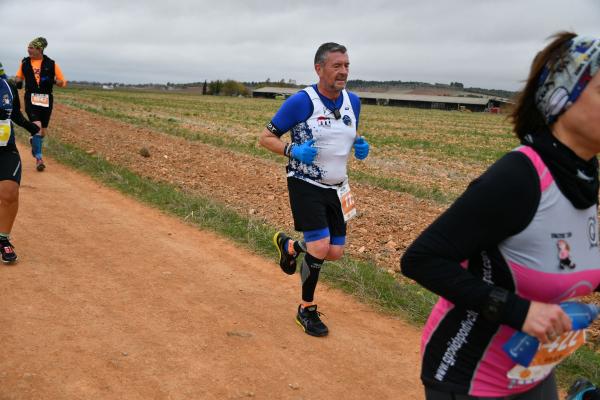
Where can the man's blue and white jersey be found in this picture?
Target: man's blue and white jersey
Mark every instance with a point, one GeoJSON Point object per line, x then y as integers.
{"type": "Point", "coordinates": [333, 137]}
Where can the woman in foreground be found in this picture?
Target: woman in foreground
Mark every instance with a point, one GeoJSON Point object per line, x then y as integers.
{"type": "Point", "coordinates": [498, 256]}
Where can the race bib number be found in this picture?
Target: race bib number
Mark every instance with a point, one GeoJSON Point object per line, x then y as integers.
{"type": "Point", "coordinates": [547, 357]}
{"type": "Point", "coordinates": [41, 100]}
{"type": "Point", "coordinates": [4, 132]}
{"type": "Point", "coordinates": [347, 201]}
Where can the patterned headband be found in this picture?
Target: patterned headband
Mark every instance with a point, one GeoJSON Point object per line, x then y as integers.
{"type": "Point", "coordinates": [39, 43]}
{"type": "Point", "coordinates": [561, 83]}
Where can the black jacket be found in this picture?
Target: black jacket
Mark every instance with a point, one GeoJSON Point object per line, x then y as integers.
{"type": "Point", "coordinates": [47, 76]}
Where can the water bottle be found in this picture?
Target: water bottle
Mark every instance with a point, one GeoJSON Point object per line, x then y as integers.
{"type": "Point", "coordinates": [521, 347]}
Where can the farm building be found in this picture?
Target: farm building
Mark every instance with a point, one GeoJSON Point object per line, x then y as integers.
{"type": "Point", "coordinates": [484, 103]}
{"type": "Point", "coordinates": [273, 92]}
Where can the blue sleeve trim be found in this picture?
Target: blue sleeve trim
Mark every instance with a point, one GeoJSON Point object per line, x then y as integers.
{"type": "Point", "coordinates": [318, 234]}
{"type": "Point", "coordinates": [338, 240]}
{"type": "Point", "coordinates": [295, 109]}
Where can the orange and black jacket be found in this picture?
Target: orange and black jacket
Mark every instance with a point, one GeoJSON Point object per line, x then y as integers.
{"type": "Point", "coordinates": [47, 75]}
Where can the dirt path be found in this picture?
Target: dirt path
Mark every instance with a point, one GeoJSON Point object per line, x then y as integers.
{"type": "Point", "coordinates": [113, 300]}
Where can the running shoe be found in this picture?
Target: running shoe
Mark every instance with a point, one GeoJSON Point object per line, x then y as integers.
{"type": "Point", "coordinates": [39, 164]}
{"type": "Point", "coordinates": [309, 320]}
{"type": "Point", "coordinates": [7, 251]}
{"type": "Point", "coordinates": [582, 389]}
{"type": "Point", "coordinates": [287, 262]}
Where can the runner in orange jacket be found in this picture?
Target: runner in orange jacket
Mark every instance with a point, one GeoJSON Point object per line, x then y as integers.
{"type": "Point", "coordinates": [40, 73]}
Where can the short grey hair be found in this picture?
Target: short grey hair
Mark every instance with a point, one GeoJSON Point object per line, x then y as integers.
{"type": "Point", "coordinates": [327, 48]}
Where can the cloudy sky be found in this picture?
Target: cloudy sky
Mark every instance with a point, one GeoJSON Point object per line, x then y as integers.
{"type": "Point", "coordinates": [481, 43]}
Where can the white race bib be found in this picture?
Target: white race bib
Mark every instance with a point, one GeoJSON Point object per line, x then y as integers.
{"type": "Point", "coordinates": [4, 132]}
{"type": "Point", "coordinates": [40, 99]}
{"type": "Point", "coordinates": [347, 201]}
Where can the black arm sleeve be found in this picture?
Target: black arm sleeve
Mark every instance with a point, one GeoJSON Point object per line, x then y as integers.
{"type": "Point", "coordinates": [498, 204]}
{"type": "Point", "coordinates": [16, 115]}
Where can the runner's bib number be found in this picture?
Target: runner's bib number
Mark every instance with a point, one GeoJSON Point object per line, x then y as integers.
{"type": "Point", "coordinates": [40, 99]}
{"type": "Point", "coordinates": [347, 201]}
{"type": "Point", "coordinates": [547, 357]}
{"type": "Point", "coordinates": [4, 132]}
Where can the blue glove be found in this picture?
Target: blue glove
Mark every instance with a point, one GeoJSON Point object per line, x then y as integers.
{"type": "Point", "coordinates": [361, 148]}
{"type": "Point", "coordinates": [305, 152]}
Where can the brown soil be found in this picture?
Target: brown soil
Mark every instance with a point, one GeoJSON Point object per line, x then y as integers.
{"type": "Point", "coordinates": [113, 300]}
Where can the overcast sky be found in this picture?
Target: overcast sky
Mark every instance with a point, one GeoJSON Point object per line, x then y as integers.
{"type": "Point", "coordinates": [478, 42]}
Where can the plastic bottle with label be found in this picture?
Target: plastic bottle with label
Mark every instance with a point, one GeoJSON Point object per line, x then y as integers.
{"type": "Point", "coordinates": [521, 347]}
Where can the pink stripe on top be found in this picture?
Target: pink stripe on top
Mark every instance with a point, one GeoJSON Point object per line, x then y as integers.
{"type": "Point", "coordinates": [543, 172]}
{"type": "Point", "coordinates": [439, 311]}
{"type": "Point", "coordinates": [556, 287]}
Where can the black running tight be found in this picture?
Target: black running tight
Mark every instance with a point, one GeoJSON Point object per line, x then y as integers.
{"type": "Point", "coordinates": [309, 274]}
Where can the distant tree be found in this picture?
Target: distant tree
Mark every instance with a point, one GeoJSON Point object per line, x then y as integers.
{"type": "Point", "coordinates": [204, 88]}
{"type": "Point", "coordinates": [234, 88]}
{"type": "Point", "coordinates": [215, 87]}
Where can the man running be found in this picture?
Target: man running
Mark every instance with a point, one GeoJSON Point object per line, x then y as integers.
{"type": "Point", "coordinates": [323, 119]}
{"type": "Point", "coordinates": [10, 163]}
{"type": "Point", "coordinates": [40, 73]}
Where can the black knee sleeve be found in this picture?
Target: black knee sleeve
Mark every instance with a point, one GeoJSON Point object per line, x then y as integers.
{"type": "Point", "coordinates": [309, 274]}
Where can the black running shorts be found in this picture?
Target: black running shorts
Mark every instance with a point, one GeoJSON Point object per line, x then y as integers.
{"type": "Point", "coordinates": [37, 113]}
{"type": "Point", "coordinates": [314, 208]}
{"type": "Point", "coordinates": [10, 165]}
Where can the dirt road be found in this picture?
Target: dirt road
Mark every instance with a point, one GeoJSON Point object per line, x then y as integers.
{"type": "Point", "coordinates": [113, 300]}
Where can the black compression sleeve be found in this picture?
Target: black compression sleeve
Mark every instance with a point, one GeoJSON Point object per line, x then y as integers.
{"type": "Point", "coordinates": [16, 115]}
{"type": "Point", "coordinates": [498, 204]}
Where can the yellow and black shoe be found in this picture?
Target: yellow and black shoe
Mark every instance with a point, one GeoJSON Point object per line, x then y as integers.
{"type": "Point", "coordinates": [309, 319]}
{"type": "Point", "coordinates": [287, 262]}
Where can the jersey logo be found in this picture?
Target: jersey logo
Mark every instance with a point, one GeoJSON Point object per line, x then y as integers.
{"type": "Point", "coordinates": [324, 121]}
{"type": "Point", "coordinates": [564, 255]}
{"type": "Point", "coordinates": [5, 100]}
{"type": "Point", "coordinates": [347, 120]}
{"type": "Point", "coordinates": [593, 232]}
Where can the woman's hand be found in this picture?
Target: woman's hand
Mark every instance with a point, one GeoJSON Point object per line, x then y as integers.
{"type": "Point", "coordinates": [546, 321]}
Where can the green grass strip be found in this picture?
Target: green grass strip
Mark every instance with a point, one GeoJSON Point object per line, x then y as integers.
{"type": "Point", "coordinates": [362, 279]}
